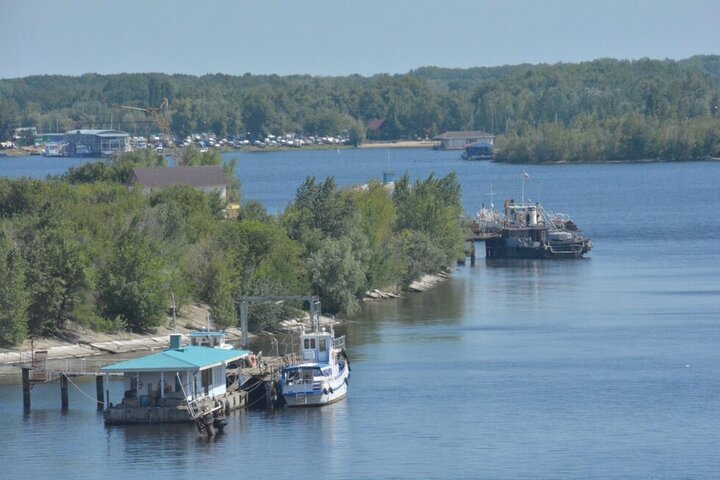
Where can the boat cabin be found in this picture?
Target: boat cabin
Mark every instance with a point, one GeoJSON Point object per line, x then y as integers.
{"type": "Point", "coordinates": [209, 338]}
{"type": "Point", "coordinates": [315, 347]}
{"type": "Point", "coordinates": [524, 214]}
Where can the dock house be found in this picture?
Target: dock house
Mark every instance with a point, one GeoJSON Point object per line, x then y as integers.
{"type": "Point", "coordinates": [96, 143]}
{"type": "Point", "coordinates": [161, 387]}
{"type": "Point", "coordinates": [460, 140]}
{"type": "Point", "coordinates": [206, 178]}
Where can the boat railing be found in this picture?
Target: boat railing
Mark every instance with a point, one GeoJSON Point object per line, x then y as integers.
{"type": "Point", "coordinates": [339, 343]}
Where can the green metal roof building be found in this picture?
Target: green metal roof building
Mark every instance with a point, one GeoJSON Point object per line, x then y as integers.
{"type": "Point", "coordinates": [187, 371]}
{"type": "Point", "coordinates": [178, 360]}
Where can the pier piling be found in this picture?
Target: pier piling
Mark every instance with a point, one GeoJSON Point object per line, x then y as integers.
{"type": "Point", "coordinates": [99, 393]}
{"type": "Point", "coordinates": [64, 392]}
{"type": "Point", "coordinates": [26, 389]}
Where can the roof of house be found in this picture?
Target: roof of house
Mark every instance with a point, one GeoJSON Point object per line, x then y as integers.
{"type": "Point", "coordinates": [203, 176]}
{"type": "Point", "coordinates": [375, 124]}
{"type": "Point", "coordinates": [184, 358]}
{"type": "Point", "coordinates": [464, 134]}
{"type": "Point", "coordinates": [99, 133]}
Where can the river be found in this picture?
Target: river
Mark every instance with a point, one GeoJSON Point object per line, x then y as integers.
{"type": "Point", "coordinates": [604, 367]}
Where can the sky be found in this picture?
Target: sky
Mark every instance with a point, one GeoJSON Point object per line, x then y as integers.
{"type": "Point", "coordinates": [341, 37]}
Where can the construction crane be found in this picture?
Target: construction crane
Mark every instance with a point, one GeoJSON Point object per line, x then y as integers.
{"type": "Point", "coordinates": [159, 117]}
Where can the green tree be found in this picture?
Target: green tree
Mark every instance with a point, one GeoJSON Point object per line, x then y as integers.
{"type": "Point", "coordinates": [56, 275]}
{"type": "Point", "coordinates": [13, 295]}
{"type": "Point", "coordinates": [220, 291]}
{"type": "Point", "coordinates": [418, 255]}
{"type": "Point", "coordinates": [376, 220]}
{"type": "Point", "coordinates": [131, 286]}
{"type": "Point", "coordinates": [337, 276]}
{"type": "Point", "coordinates": [432, 207]}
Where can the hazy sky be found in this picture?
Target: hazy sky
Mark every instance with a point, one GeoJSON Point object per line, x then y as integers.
{"type": "Point", "coordinates": [338, 37]}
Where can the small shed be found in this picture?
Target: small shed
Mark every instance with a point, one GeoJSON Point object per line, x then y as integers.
{"type": "Point", "coordinates": [460, 140]}
{"type": "Point", "coordinates": [206, 178]}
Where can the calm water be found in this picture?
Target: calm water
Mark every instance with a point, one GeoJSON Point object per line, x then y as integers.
{"type": "Point", "coordinates": [604, 367]}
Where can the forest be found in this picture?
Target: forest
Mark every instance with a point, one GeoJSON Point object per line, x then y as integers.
{"type": "Point", "coordinates": [86, 249]}
{"type": "Point", "coordinates": [592, 111]}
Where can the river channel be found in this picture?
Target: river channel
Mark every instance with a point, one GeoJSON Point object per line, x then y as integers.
{"type": "Point", "coordinates": [604, 367]}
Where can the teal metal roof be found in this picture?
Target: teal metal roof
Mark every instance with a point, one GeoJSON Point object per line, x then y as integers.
{"type": "Point", "coordinates": [184, 358]}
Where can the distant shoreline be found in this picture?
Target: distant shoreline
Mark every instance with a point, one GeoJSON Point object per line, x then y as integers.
{"type": "Point", "coordinates": [399, 144]}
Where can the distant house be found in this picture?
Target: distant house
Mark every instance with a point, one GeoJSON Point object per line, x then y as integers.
{"type": "Point", "coordinates": [207, 178]}
{"type": "Point", "coordinates": [374, 128]}
{"type": "Point", "coordinates": [460, 140]}
{"type": "Point", "coordinates": [96, 143]}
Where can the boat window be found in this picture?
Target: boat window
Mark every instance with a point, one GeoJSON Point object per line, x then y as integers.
{"type": "Point", "coordinates": [307, 343]}
{"type": "Point", "coordinates": [323, 344]}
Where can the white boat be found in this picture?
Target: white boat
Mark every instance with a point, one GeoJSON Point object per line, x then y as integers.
{"type": "Point", "coordinates": [323, 376]}
{"type": "Point", "coordinates": [209, 338]}
{"type": "Point", "coordinates": [54, 150]}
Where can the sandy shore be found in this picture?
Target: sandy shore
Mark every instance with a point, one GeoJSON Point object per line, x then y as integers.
{"type": "Point", "coordinates": [399, 144]}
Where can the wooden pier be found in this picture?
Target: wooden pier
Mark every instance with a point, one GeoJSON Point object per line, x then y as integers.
{"type": "Point", "coordinates": [38, 370]}
{"type": "Point", "coordinates": [257, 391]}
{"type": "Point", "coordinates": [260, 381]}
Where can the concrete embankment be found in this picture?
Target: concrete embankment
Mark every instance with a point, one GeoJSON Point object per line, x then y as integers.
{"type": "Point", "coordinates": [86, 343]}
{"type": "Point", "coordinates": [426, 282]}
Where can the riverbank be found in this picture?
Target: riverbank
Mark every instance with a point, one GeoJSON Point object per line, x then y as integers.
{"type": "Point", "coordinates": [81, 342]}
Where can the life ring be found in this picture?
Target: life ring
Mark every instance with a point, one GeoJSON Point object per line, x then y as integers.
{"type": "Point", "coordinates": [251, 361]}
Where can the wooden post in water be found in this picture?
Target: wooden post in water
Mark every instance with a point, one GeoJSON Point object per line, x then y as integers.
{"type": "Point", "coordinates": [26, 389]}
{"type": "Point", "coordinates": [64, 392]}
{"type": "Point", "coordinates": [99, 392]}
{"type": "Point", "coordinates": [472, 255]}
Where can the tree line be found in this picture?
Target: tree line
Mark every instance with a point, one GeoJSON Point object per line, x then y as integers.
{"type": "Point", "coordinates": [86, 249]}
{"type": "Point", "coordinates": [519, 103]}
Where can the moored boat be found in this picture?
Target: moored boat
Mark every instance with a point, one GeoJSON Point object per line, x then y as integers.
{"type": "Point", "coordinates": [479, 151]}
{"type": "Point", "coordinates": [323, 376]}
{"type": "Point", "coordinates": [528, 231]}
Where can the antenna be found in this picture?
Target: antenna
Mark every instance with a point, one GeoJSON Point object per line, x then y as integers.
{"type": "Point", "coordinates": [174, 312]}
{"type": "Point", "coordinates": [524, 176]}
{"type": "Point", "coordinates": [491, 195]}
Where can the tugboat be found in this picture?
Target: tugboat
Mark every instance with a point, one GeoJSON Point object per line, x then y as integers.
{"type": "Point", "coordinates": [323, 376]}
{"type": "Point", "coordinates": [529, 232]}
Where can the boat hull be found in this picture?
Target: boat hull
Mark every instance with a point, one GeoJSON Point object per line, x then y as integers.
{"type": "Point", "coordinates": [498, 248]}
{"type": "Point", "coordinates": [312, 396]}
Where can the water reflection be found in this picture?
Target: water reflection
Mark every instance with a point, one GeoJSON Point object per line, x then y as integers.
{"type": "Point", "coordinates": [518, 284]}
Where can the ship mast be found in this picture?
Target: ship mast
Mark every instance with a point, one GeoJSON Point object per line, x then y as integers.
{"type": "Point", "coordinates": [491, 195]}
